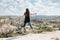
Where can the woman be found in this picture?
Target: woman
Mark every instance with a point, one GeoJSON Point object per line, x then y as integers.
{"type": "Point", "coordinates": [27, 19]}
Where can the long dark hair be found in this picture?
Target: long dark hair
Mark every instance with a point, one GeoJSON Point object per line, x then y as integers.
{"type": "Point", "coordinates": [27, 11]}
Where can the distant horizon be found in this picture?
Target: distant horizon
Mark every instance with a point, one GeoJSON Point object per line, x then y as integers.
{"type": "Point", "coordinates": [33, 15]}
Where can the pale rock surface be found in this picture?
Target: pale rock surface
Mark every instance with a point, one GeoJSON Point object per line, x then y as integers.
{"type": "Point", "coordinates": [42, 36]}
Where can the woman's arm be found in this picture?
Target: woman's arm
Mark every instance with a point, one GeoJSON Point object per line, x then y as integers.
{"type": "Point", "coordinates": [33, 14]}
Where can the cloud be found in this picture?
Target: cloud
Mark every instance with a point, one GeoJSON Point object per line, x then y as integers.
{"type": "Point", "coordinates": [1, 3]}
{"type": "Point", "coordinates": [41, 7]}
{"type": "Point", "coordinates": [55, 1]}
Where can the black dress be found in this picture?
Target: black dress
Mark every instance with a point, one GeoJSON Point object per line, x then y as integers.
{"type": "Point", "coordinates": [27, 19]}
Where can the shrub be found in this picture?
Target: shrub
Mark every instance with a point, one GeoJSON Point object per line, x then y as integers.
{"type": "Point", "coordinates": [58, 27]}
{"type": "Point", "coordinates": [44, 28]}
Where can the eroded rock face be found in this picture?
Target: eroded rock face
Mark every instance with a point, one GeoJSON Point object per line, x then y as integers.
{"type": "Point", "coordinates": [7, 29]}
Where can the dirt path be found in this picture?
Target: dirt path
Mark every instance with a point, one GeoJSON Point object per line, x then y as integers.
{"type": "Point", "coordinates": [42, 36]}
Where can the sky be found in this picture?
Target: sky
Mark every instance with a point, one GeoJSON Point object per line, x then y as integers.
{"type": "Point", "coordinates": [41, 7]}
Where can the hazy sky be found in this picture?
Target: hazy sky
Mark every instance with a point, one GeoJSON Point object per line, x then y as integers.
{"type": "Point", "coordinates": [41, 7]}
